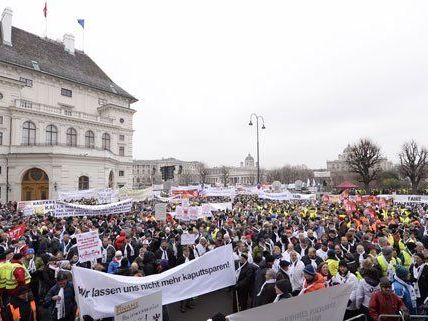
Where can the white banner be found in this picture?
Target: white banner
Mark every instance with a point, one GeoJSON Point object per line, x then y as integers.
{"type": "Point", "coordinates": [191, 213]}
{"type": "Point", "coordinates": [416, 199]}
{"type": "Point", "coordinates": [98, 293]}
{"type": "Point", "coordinates": [137, 194]}
{"type": "Point", "coordinates": [67, 209]}
{"type": "Point", "coordinates": [103, 196]}
{"type": "Point", "coordinates": [40, 207]}
{"type": "Point", "coordinates": [88, 246]}
{"type": "Point", "coordinates": [148, 308]}
{"type": "Point", "coordinates": [221, 206]}
{"type": "Point", "coordinates": [219, 191]}
{"type": "Point", "coordinates": [286, 196]}
{"type": "Point", "coordinates": [323, 305]}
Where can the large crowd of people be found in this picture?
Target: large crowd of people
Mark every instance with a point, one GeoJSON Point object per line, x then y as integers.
{"type": "Point", "coordinates": [281, 249]}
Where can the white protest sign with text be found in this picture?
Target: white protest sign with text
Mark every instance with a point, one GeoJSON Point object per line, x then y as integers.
{"type": "Point", "coordinates": [188, 239]}
{"type": "Point", "coordinates": [98, 293]}
{"type": "Point", "coordinates": [160, 211]}
{"type": "Point", "coordinates": [323, 305]}
{"type": "Point", "coordinates": [146, 308]}
{"type": "Point", "coordinates": [88, 246]}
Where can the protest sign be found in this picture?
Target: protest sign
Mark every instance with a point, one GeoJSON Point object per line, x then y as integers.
{"type": "Point", "coordinates": [221, 206]}
{"type": "Point", "coordinates": [39, 207]}
{"type": "Point", "coordinates": [16, 232]}
{"type": "Point", "coordinates": [188, 239]}
{"type": "Point", "coordinates": [324, 305]}
{"type": "Point", "coordinates": [102, 195]}
{"type": "Point", "coordinates": [88, 246]}
{"type": "Point", "coordinates": [148, 307]}
{"type": "Point", "coordinates": [98, 293]}
{"type": "Point", "coordinates": [67, 209]}
{"type": "Point", "coordinates": [413, 199]}
{"type": "Point", "coordinates": [192, 213]}
{"type": "Point", "coordinates": [136, 194]}
{"type": "Point", "coordinates": [160, 211]}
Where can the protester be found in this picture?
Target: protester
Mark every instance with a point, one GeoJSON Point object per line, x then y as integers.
{"type": "Point", "coordinates": [61, 300]}
{"type": "Point", "coordinates": [385, 301]}
{"type": "Point", "coordinates": [308, 244]}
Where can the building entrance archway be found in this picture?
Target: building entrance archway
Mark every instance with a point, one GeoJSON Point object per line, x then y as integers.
{"type": "Point", "coordinates": [35, 185]}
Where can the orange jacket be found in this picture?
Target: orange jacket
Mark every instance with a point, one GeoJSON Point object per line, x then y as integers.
{"type": "Point", "coordinates": [317, 283]}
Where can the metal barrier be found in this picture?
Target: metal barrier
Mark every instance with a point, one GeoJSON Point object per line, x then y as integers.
{"type": "Point", "coordinates": [401, 317]}
{"type": "Point", "coordinates": [357, 317]}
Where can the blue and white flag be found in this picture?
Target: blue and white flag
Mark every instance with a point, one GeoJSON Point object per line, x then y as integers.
{"type": "Point", "coordinates": [81, 22]}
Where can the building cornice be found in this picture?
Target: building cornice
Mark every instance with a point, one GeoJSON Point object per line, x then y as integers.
{"type": "Point", "coordinates": [116, 107]}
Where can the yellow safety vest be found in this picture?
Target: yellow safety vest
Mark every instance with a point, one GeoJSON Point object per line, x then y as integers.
{"type": "Point", "coordinates": [384, 265]}
{"type": "Point", "coordinates": [333, 266]}
{"type": "Point", "coordinates": [5, 268]}
{"type": "Point", "coordinates": [407, 259]}
{"type": "Point", "coordinates": [11, 282]}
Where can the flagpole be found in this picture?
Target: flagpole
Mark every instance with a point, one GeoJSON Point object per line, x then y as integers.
{"type": "Point", "coordinates": [46, 27]}
{"type": "Point", "coordinates": [83, 39]}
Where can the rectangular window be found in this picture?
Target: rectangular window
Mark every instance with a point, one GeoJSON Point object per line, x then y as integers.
{"type": "Point", "coordinates": [1, 120]}
{"type": "Point", "coordinates": [26, 81]}
{"type": "Point", "coordinates": [121, 151]}
{"type": "Point", "coordinates": [121, 173]}
{"type": "Point", "coordinates": [66, 92]}
{"type": "Point", "coordinates": [1, 138]}
{"type": "Point", "coordinates": [122, 137]}
{"type": "Point", "coordinates": [26, 104]}
{"type": "Point", "coordinates": [102, 101]}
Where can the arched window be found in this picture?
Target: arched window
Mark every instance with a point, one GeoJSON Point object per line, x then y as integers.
{"type": "Point", "coordinates": [83, 182]}
{"type": "Point", "coordinates": [89, 139]}
{"type": "Point", "coordinates": [106, 141]}
{"type": "Point", "coordinates": [28, 133]}
{"type": "Point", "coordinates": [138, 180]}
{"type": "Point", "coordinates": [71, 137]}
{"type": "Point", "coordinates": [51, 135]}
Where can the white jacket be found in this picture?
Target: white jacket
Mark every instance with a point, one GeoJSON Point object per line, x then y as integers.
{"type": "Point", "coordinates": [364, 293]}
{"type": "Point", "coordinates": [350, 278]}
{"type": "Point", "coordinates": [295, 271]}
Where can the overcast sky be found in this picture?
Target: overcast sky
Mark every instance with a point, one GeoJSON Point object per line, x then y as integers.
{"type": "Point", "coordinates": [322, 73]}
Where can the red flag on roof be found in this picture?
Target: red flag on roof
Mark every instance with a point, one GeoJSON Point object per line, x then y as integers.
{"type": "Point", "coordinates": [45, 9]}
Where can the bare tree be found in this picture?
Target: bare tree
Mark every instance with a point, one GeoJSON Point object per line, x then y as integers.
{"type": "Point", "coordinates": [290, 173]}
{"type": "Point", "coordinates": [224, 175]}
{"type": "Point", "coordinates": [364, 159]}
{"type": "Point", "coordinates": [413, 163]}
{"type": "Point", "coordinates": [203, 173]}
{"type": "Point", "coordinates": [185, 178]}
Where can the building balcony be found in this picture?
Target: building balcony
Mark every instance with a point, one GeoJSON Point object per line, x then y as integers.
{"type": "Point", "coordinates": [61, 111]}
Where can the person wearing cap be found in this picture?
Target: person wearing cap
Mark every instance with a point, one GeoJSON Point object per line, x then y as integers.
{"type": "Point", "coordinates": [282, 289]}
{"type": "Point", "coordinates": [34, 265]}
{"type": "Point", "coordinates": [21, 306]}
{"type": "Point", "coordinates": [17, 275]}
{"type": "Point", "coordinates": [115, 263]}
{"type": "Point", "coordinates": [404, 289]}
{"type": "Point", "coordinates": [385, 301]}
{"type": "Point", "coordinates": [61, 299]}
{"type": "Point", "coordinates": [282, 273]}
{"type": "Point", "coordinates": [313, 280]}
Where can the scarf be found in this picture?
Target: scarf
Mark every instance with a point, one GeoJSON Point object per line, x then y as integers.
{"type": "Point", "coordinates": [174, 249]}
{"type": "Point", "coordinates": [60, 305]}
{"type": "Point", "coordinates": [65, 251]}
{"type": "Point", "coordinates": [346, 249]}
{"type": "Point", "coordinates": [267, 282]}
{"type": "Point", "coordinates": [409, 288]}
{"type": "Point", "coordinates": [238, 271]}
{"type": "Point", "coordinates": [314, 264]}
{"type": "Point", "coordinates": [131, 249]}
{"type": "Point", "coordinates": [164, 254]}
{"type": "Point", "coordinates": [342, 279]}
{"type": "Point", "coordinates": [417, 272]}
{"type": "Point", "coordinates": [31, 266]}
{"type": "Point", "coordinates": [361, 257]}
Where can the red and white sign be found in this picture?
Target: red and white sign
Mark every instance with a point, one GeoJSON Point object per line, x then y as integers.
{"type": "Point", "coordinates": [88, 245]}
{"type": "Point", "coordinates": [17, 232]}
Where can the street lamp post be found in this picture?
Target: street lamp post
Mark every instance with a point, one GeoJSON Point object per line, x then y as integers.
{"type": "Point", "coordinates": [257, 117]}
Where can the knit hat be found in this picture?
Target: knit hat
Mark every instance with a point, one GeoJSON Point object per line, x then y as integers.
{"type": "Point", "coordinates": [30, 251]}
{"type": "Point", "coordinates": [401, 272]}
{"type": "Point", "coordinates": [309, 269]}
{"type": "Point", "coordinates": [22, 289]}
{"type": "Point", "coordinates": [218, 317]}
{"type": "Point", "coordinates": [284, 286]}
{"type": "Point", "coordinates": [343, 263]}
{"type": "Point", "coordinates": [118, 254]}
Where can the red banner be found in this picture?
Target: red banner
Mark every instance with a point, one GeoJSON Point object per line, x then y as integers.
{"type": "Point", "coordinates": [17, 232]}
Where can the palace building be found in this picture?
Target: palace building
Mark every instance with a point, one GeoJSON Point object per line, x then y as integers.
{"type": "Point", "coordinates": [64, 124]}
